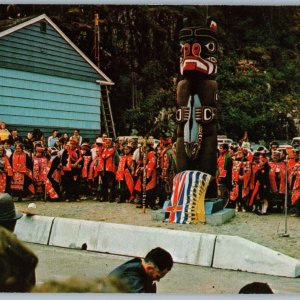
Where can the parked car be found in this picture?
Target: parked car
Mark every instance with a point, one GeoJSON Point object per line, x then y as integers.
{"type": "Point", "coordinates": [254, 148]}
{"type": "Point", "coordinates": [295, 141]}
{"type": "Point", "coordinates": [225, 141]}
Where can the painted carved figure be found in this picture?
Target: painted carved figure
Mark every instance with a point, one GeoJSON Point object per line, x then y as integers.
{"type": "Point", "coordinates": [196, 147]}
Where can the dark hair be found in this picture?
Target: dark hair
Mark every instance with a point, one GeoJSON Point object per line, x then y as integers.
{"type": "Point", "coordinates": [256, 288]}
{"type": "Point", "coordinates": [160, 258]}
{"type": "Point", "coordinates": [225, 146]}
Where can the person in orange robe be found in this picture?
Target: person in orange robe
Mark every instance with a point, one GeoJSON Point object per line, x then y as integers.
{"type": "Point", "coordinates": [150, 165]}
{"type": "Point", "coordinates": [5, 171]}
{"type": "Point", "coordinates": [124, 174]}
{"type": "Point", "coordinates": [21, 183]}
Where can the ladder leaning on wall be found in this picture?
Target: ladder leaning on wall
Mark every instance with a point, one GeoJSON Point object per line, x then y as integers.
{"type": "Point", "coordinates": [108, 120]}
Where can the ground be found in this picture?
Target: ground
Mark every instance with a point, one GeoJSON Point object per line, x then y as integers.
{"type": "Point", "coordinates": [264, 230]}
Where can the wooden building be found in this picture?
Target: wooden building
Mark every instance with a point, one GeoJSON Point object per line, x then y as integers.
{"type": "Point", "coordinates": [46, 82]}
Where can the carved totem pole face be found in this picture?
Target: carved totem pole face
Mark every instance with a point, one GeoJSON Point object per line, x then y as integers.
{"type": "Point", "coordinates": [199, 49]}
{"type": "Point", "coordinates": [198, 64]}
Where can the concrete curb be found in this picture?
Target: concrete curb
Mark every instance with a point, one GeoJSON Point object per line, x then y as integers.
{"type": "Point", "coordinates": [236, 253]}
{"type": "Point", "coordinates": [34, 229]}
{"type": "Point", "coordinates": [217, 251]}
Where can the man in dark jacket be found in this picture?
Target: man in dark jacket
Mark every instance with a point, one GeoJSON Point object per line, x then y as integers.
{"type": "Point", "coordinates": [17, 262]}
{"type": "Point", "coordinates": [140, 274]}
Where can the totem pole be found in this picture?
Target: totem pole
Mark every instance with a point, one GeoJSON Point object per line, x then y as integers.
{"type": "Point", "coordinates": [196, 146]}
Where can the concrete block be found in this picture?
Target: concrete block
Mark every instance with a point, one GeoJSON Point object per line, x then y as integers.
{"type": "Point", "coordinates": [213, 205]}
{"type": "Point", "coordinates": [74, 233]}
{"type": "Point", "coordinates": [185, 247]}
{"type": "Point", "coordinates": [236, 253]}
{"type": "Point", "coordinates": [220, 217]}
{"type": "Point", "coordinates": [34, 229]}
{"type": "Point", "coordinates": [158, 215]}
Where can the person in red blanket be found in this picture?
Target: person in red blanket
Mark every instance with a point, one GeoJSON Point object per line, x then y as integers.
{"type": "Point", "coordinates": [124, 174]}
{"type": "Point", "coordinates": [261, 192]}
{"type": "Point", "coordinates": [108, 167]}
{"type": "Point", "coordinates": [150, 165]}
{"type": "Point", "coordinates": [165, 169]}
{"type": "Point", "coordinates": [87, 158]}
{"type": "Point", "coordinates": [21, 183]}
{"type": "Point", "coordinates": [94, 176]}
{"type": "Point", "coordinates": [5, 171]}
{"type": "Point", "coordinates": [277, 180]}
{"type": "Point", "coordinates": [39, 171]}
{"type": "Point", "coordinates": [72, 162]}
{"type": "Point", "coordinates": [294, 184]}
{"type": "Point", "coordinates": [224, 172]}
{"type": "Point", "coordinates": [241, 174]}
{"type": "Point", "coordinates": [255, 165]}
{"type": "Point", "coordinates": [53, 176]}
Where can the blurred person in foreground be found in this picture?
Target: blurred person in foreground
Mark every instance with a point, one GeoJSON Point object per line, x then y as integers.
{"type": "Point", "coordinates": [17, 264]}
{"type": "Point", "coordinates": [256, 288]}
{"type": "Point", "coordinates": [141, 274]}
{"type": "Point", "coordinates": [8, 214]}
{"type": "Point", "coordinates": [76, 284]}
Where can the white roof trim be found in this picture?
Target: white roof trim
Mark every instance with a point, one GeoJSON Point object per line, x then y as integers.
{"type": "Point", "coordinates": [45, 17]}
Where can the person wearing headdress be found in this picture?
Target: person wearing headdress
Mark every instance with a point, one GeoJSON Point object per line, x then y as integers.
{"type": "Point", "coordinates": [124, 174]}
{"type": "Point", "coordinates": [94, 176]}
{"type": "Point", "coordinates": [39, 171]}
{"type": "Point", "coordinates": [87, 159]}
{"type": "Point", "coordinates": [5, 171]}
{"type": "Point", "coordinates": [108, 167]}
{"type": "Point", "coordinates": [241, 173]}
{"type": "Point", "coordinates": [98, 145]}
{"type": "Point", "coordinates": [277, 179]}
{"type": "Point", "coordinates": [71, 161]}
{"type": "Point", "coordinates": [262, 185]}
{"type": "Point", "coordinates": [255, 165]}
{"type": "Point", "coordinates": [21, 182]}
{"type": "Point", "coordinates": [147, 160]}
{"type": "Point", "coordinates": [53, 176]}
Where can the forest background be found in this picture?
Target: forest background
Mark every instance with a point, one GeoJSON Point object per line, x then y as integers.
{"type": "Point", "coordinates": [258, 63]}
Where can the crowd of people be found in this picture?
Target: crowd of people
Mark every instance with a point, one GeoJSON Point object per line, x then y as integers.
{"type": "Point", "coordinates": [63, 168]}
{"type": "Point", "coordinates": [259, 181]}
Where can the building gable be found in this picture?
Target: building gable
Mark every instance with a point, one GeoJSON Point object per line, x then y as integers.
{"type": "Point", "coordinates": [39, 46]}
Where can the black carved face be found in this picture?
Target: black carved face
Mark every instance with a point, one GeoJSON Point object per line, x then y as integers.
{"type": "Point", "coordinates": [199, 49]}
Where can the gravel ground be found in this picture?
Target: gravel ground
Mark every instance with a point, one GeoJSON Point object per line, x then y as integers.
{"type": "Point", "coordinates": [265, 230]}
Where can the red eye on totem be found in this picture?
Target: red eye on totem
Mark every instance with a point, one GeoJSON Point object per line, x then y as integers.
{"type": "Point", "coordinates": [186, 49]}
{"type": "Point", "coordinates": [211, 47]}
{"type": "Point", "coordinates": [196, 49]}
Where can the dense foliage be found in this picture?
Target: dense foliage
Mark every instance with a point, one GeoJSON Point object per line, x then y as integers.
{"type": "Point", "coordinates": [258, 74]}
